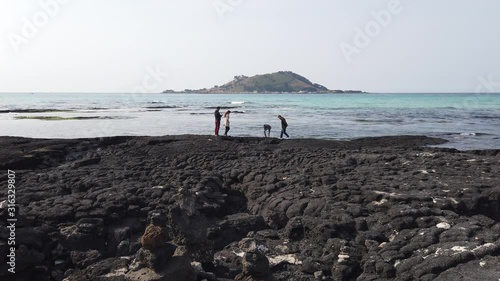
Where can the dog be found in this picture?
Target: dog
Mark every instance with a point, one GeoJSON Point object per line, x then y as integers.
{"type": "Point", "coordinates": [267, 128]}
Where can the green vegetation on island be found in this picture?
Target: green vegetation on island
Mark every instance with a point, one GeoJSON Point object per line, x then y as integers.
{"type": "Point", "coordinates": [278, 82]}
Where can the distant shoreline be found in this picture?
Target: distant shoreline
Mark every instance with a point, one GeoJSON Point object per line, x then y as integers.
{"type": "Point", "coordinates": [275, 83]}
{"type": "Point", "coordinates": [260, 93]}
{"type": "Point", "coordinates": [267, 93]}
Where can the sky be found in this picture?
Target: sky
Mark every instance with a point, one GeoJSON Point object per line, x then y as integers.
{"type": "Point", "coordinates": [152, 45]}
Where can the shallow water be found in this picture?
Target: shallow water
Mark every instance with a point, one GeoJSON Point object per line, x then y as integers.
{"type": "Point", "coordinates": [469, 121]}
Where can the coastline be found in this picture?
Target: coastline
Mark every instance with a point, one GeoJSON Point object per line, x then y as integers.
{"type": "Point", "coordinates": [320, 116]}
{"type": "Point", "coordinates": [368, 209]}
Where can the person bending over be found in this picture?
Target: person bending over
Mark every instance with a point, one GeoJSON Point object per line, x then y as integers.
{"type": "Point", "coordinates": [267, 129]}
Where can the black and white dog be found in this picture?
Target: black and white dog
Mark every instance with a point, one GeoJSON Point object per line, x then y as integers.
{"type": "Point", "coordinates": [267, 128]}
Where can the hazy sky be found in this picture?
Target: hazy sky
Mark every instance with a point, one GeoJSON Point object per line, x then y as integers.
{"type": "Point", "coordinates": [130, 45]}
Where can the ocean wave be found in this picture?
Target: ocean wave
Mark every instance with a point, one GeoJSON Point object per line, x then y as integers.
{"type": "Point", "coordinates": [210, 113]}
{"type": "Point", "coordinates": [32, 110]}
{"type": "Point", "coordinates": [162, 107]}
{"type": "Point", "coordinates": [467, 134]}
{"type": "Point", "coordinates": [361, 120]}
{"type": "Point", "coordinates": [238, 102]}
{"type": "Point", "coordinates": [89, 109]}
{"type": "Point", "coordinates": [221, 107]}
{"type": "Point", "coordinates": [475, 134]}
{"type": "Point", "coordinates": [486, 116]}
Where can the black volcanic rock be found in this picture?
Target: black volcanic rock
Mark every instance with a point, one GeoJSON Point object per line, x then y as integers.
{"type": "Point", "coordinates": [369, 209]}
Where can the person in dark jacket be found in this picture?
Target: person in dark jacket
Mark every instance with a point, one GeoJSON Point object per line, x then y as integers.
{"type": "Point", "coordinates": [218, 117]}
{"type": "Point", "coordinates": [284, 124]}
{"type": "Point", "coordinates": [267, 129]}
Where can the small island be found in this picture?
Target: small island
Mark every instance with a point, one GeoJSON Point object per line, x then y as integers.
{"type": "Point", "coordinates": [278, 82]}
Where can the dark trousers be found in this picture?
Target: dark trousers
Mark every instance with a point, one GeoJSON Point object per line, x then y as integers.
{"type": "Point", "coordinates": [227, 130]}
{"type": "Point", "coordinates": [283, 131]}
{"type": "Point", "coordinates": [217, 127]}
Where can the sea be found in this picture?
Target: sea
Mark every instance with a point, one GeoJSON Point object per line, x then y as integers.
{"type": "Point", "coordinates": [467, 120]}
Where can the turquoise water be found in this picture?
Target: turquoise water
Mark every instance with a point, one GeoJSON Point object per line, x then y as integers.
{"type": "Point", "coordinates": [469, 121]}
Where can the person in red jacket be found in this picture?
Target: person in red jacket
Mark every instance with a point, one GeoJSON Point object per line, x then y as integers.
{"type": "Point", "coordinates": [217, 120]}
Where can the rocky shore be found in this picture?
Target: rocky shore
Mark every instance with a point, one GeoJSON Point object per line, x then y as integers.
{"type": "Point", "coordinates": [206, 208]}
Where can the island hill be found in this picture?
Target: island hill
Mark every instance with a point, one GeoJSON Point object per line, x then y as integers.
{"type": "Point", "coordinates": [278, 82]}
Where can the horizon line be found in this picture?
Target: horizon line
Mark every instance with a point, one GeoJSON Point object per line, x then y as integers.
{"type": "Point", "coordinates": [181, 92]}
